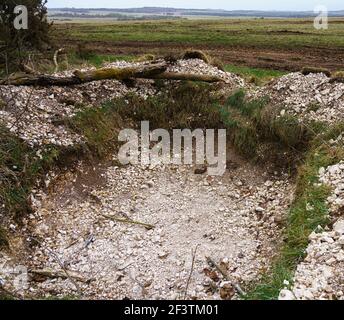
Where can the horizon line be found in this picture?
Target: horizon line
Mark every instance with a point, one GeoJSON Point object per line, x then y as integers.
{"type": "Point", "coordinates": [177, 8]}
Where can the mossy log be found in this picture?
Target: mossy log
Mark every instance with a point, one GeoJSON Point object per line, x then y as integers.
{"type": "Point", "coordinates": [186, 76]}
{"type": "Point", "coordinates": [142, 71]}
{"type": "Point", "coordinates": [154, 70]}
{"type": "Point", "coordinates": [40, 80]}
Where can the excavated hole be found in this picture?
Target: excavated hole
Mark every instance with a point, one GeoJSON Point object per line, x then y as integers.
{"type": "Point", "coordinates": [236, 220]}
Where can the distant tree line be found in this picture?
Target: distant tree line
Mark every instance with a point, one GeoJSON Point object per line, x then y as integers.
{"type": "Point", "coordinates": [116, 16]}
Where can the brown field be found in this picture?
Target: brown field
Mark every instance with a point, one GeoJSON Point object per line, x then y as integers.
{"type": "Point", "coordinates": [278, 44]}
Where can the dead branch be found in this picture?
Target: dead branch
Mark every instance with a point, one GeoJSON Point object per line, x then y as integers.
{"type": "Point", "coordinates": [191, 271]}
{"type": "Point", "coordinates": [186, 76]}
{"type": "Point", "coordinates": [153, 70]}
{"type": "Point", "coordinates": [49, 273]}
{"type": "Point", "coordinates": [58, 260]}
{"type": "Point", "coordinates": [225, 276]}
{"type": "Point", "coordinates": [27, 69]}
{"type": "Point", "coordinates": [56, 54]}
{"type": "Point", "coordinates": [147, 70]}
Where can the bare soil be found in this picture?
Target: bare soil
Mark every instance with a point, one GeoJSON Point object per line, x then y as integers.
{"type": "Point", "coordinates": [272, 58]}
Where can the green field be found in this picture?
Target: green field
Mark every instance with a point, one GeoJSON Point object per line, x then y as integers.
{"type": "Point", "coordinates": [262, 33]}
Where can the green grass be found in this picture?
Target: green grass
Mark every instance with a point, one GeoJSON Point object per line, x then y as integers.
{"type": "Point", "coordinates": [308, 211]}
{"type": "Point", "coordinates": [189, 105]}
{"type": "Point", "coordinates": [22, 168]}
{"type": "Point", "coordinates": [100, 127]}
{"type": "Point", "coordinates": [96, 60]}
{"type": "Point", "coordinates": [255, 123]}
{"type": "Point", "coordinates": [257, 75]}
{"type": "Point", "coordinates": [252, 123]}
{"type": "Point", "coordinates": [262, 33]}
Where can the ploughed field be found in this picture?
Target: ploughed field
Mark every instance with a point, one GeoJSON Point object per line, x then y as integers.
{"type": "Point", "coordinates": [283, 44]}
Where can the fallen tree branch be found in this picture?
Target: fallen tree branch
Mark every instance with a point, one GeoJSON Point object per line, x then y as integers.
{"type": "Point", "coordinates": [146, 225]}
{"type": "Point", "coordinates": [187, 77]}
{"type": "Point", "coordinates": [153, 70]}
{"type": "Point", "coordinates": [147, 70]}
{"type": "Point", "coordinates": [49, 273]}
{"type": "Point", "coordinates": [39, 80]}
{"type": "Point", "coordinates": [79, 77]}
{"type": "Point", "coordinates": [61, 264]}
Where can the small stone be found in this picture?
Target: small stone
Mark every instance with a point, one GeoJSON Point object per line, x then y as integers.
{"type": "Point", "coordinates": [339, 227]}
{"type": "Point", "coordinates": [331, 261]}
{"type": "Point", "coordinates": [268, 183]}
{"type": "Point", "coordinates": [341, 241]}
{"type": "Point", "coordinates": [340, 256]}
{"type": "Point", "coordinates": [163, 254]}
{"type": "Point", "coordinates": [150, 184]}
{"type": "Point", "coordinates": [286, 295]}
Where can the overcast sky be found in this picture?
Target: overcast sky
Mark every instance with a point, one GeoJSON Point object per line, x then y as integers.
{"type": "Point", "coordinates": [204, 4]}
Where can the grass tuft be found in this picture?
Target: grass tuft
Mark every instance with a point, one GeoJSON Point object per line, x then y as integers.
{"type": "Point", "coordinates": [3, 239]}
{"type": "Point", "coordinates": [196, 54]}
{"type": "Point", "coordinates": [308, 211]}
{"type": "Point", "coordinates": [100, 127]}
{"type": "Point", "coordinates": [189, 105]}
{"type": "Point", "coordinates": [145, 57]}
{"type": "Point", "coordinates": [21, 168]}
{"type": "Point", "coordinates": [257, 76]}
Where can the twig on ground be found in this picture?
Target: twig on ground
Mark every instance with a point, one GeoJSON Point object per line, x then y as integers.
{"type": "Point", "coordinates": [58, 260]}
{"type": "Point", "coordinates": [146, 225]}
{"type": "Point", "coordinates": [225, 275]}
{"type": "Point", "coordinates": [191, 271]}
{"type": "Point", "coordinates": [48, 273]}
